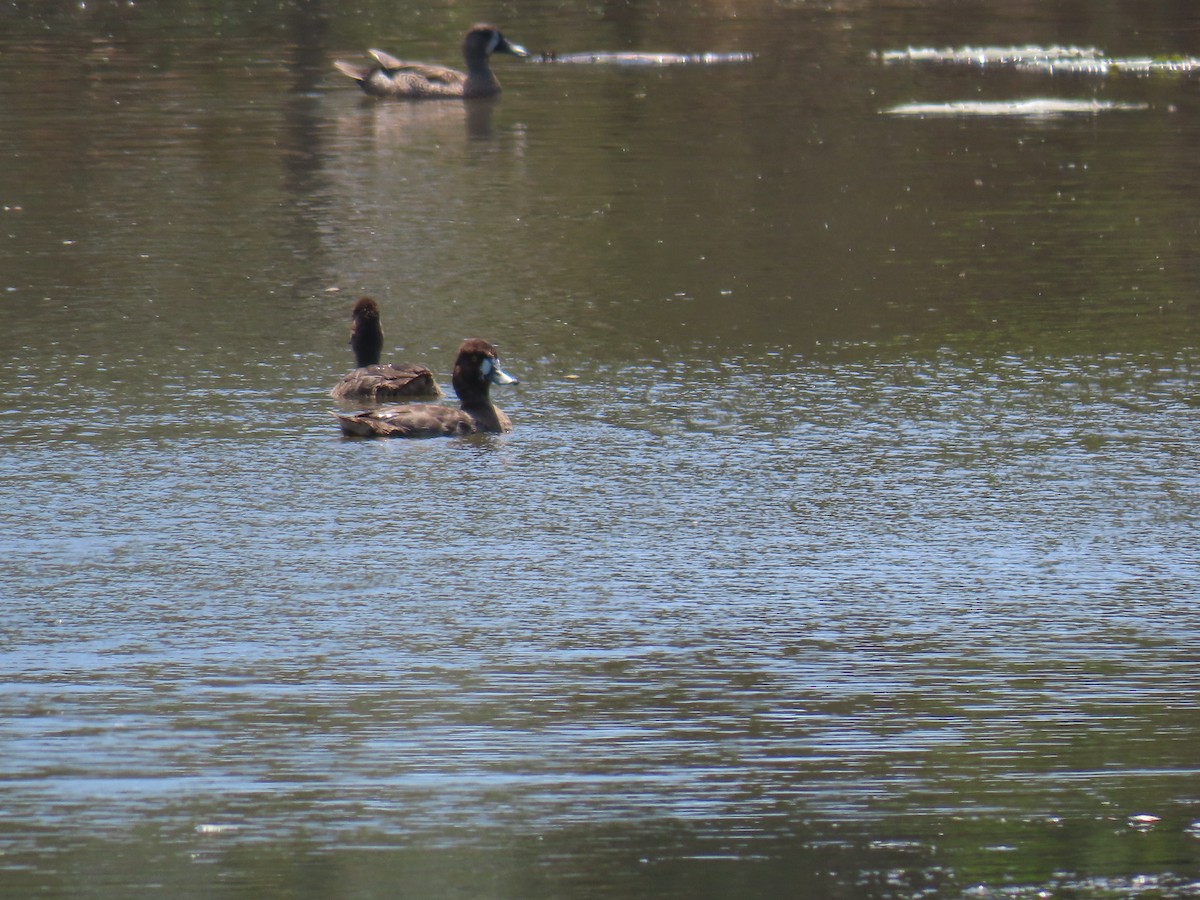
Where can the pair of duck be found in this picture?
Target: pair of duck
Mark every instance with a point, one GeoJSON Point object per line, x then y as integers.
{"type": "Point", "coordinates": [391, 77]}
{"type": "Point", "coordinates": [476, 369]}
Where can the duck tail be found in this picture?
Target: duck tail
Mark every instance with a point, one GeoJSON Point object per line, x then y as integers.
{"type": "Point", "coordinates": [358, 73]}
{"type": "Point", "coordinates": [353, 426]}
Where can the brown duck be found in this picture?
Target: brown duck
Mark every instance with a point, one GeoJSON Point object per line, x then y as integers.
{"type": "Point", "coordinates": [476, 369]}
{"type": "Point", "coordinates": [391, 77]}
{"type": "Point", "coordinates": [372, 382]}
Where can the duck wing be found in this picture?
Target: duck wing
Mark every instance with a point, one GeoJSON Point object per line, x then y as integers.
{"type": "Point", "coordinates": [394, 67]}
{"type": "Point", "coordinates": [386, 60]}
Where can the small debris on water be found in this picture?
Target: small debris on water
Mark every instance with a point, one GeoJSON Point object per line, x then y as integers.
{"type": "Point", "coordinates": [1030, 108]}
{"type": "Point", "coordinates": [1053, 60]}
{"type": "Point", "coordinates": [603, 57]}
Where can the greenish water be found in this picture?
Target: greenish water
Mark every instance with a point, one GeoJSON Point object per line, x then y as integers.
{"type": "Point", "coordinates": [846, 542]}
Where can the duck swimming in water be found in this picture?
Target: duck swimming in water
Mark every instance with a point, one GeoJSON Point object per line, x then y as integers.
{"type": "Point", "coordinates": [392, 77]}
{"type": "Point", "coordinates": [371, 381]}
{"type": "Point", "coordinates": [476, 369]}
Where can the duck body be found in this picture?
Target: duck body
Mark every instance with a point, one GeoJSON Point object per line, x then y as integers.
{"type": "Point", "coordinates": [476, 369]}
{"type": "Point", "coordinates": [372, 381]}
{"type": "Point", "coordinates": [387, 383]}
{"type": "Point", "coordinates": [411, 420]}
{"type": "Point", "coordinates": [392, 77]}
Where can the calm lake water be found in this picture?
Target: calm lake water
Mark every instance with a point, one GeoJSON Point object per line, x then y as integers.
{"type": "Point", "coordinates": [846, 544]}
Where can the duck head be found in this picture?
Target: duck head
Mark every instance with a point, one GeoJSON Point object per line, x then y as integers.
{"type": "Point", "coordinates": [476, 369]}
{"type": "Point", "coordinates": [366, 334]}
{"type": "Point", "coordinates": [483, 40]}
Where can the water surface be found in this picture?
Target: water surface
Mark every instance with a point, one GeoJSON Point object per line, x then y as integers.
{"type": "Point", "coordinates": [846, 542]}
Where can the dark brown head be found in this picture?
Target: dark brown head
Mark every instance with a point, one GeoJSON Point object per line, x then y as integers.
{"type": "Point", "coordinates": [476, 369]}
{"type": "Point", "coordinates": [483, 40]}
{"type": "Point", "coordinates": [366, 334]}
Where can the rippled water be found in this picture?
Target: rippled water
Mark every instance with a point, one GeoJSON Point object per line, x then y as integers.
{"type": "Point", "coordinates": [845, 546]}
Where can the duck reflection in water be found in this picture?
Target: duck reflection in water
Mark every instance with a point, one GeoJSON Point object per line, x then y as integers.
{"type": "Point", "coordinates": [476, 369]}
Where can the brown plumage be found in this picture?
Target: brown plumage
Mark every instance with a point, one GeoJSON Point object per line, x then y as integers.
{"type": "Point", "coordinates": [391, 77]}
{"type": "Point", "coordinates": [476, 369]}
{"type": "Point", "coordinates": [375, 383]}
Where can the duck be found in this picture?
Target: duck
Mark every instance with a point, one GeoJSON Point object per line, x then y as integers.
{"type": "Point", "coordinates": [391, 77]}
{"type": "Point", "coordinates": [476, 369]}
{"type": "Point", "coordinates": [370, 381]}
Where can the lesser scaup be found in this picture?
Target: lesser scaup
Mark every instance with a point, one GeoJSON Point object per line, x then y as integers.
{"type": "Point", "coordinates": [476, 369]}
{"type": "Point", "coordinates": [392, 77]}
{"type": "Point", "coordinates": [371, 381]}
